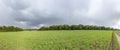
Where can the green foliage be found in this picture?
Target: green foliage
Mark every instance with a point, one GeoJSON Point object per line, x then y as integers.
{"type": "Point", "coordinates": [75, 27]}
{"type": "Point", "coordinates": [56, 40]}
{"type": "Point", "coordinates": [9, 28]}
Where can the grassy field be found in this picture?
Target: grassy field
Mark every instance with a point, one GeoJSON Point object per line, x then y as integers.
{"type": "Point", "coordinates": [56, 40]}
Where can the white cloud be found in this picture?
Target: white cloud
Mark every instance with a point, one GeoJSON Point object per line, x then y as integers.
{"type": "Point", "coordinates": [94, 7]}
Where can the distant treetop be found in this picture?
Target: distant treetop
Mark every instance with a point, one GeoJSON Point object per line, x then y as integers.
{"type": "Point", "coordinates": [75, 27]}
{"type": "Point", "coordinates": [10, 28]}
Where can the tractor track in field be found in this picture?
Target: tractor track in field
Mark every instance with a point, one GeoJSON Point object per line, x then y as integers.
{"type": "Point", "coordinates": [118, 39]}
{"type": "Point", "coordinates": [111, 43]}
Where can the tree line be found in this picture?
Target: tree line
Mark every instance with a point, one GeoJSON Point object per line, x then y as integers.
{"type": "Point", "coordinates": [10, 28]}
{"type": "Point", "coordinates": [75, 27]}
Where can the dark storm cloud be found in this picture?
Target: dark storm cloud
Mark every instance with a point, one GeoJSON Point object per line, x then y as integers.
{"type": "Point", "coordinates": [33, 13]}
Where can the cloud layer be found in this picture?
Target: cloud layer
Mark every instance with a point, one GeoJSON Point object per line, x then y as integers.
{"type": "Point", "coordinates": [34, 13]}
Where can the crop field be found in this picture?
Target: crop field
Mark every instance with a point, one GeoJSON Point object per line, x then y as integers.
{"type": "Point", "coordinates": [56, 40]}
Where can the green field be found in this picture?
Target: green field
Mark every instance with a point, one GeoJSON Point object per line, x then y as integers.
{"type": "Point", "coordinates": [56, 40]}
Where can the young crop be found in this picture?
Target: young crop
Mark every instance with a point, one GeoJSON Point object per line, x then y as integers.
{"type": "Point", "coordinates": [56, 40]}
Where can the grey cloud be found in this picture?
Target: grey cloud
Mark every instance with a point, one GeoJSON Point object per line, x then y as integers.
{"type": "Point", "coordinates": [36, 17]}
{"type": "Point", "coordinates": [16, 4]}
{"type": "Point", "coordinates": [36, 12]}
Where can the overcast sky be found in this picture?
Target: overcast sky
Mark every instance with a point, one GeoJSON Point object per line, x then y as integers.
{"type": "Point", "coordinates": [36, 13]}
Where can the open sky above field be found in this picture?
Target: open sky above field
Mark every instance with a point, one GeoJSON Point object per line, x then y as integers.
{"type": "Point", "coordinates": [36, 13]}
